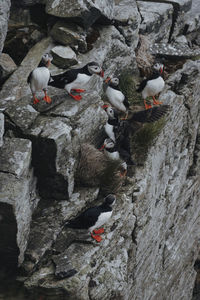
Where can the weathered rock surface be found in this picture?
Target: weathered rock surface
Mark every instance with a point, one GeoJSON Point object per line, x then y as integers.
{"type": "Point", "coordinates": [7, 66]}
{"type": "Point", "coordinates": [4, 16]}
{"type": "Point", "coordinates": [64, 56]}
{"type": "Point", "coordinates": [127, 20]}
{"type": "Point", "coordinates": [17, 189]}
{"type": "Point", "coordinates": [1, 128]}
{"type": "Point", "coordinates": [159, 226]}
{"type": "Point", "coordinates": [156, 20]}
{"type": "Point", "coordinates": [111, 50]}
{"type": "Point", "coordinates": [69, 35]}
{"type": "Point", "coordinates": [86, 12]}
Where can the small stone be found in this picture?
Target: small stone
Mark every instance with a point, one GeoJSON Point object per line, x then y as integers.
{"type": "Point", "coordinates": [63, 56]}
{"type": "Point", "coordinates": [7, 66]}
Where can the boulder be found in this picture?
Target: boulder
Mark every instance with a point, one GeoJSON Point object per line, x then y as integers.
{"type": "Point", "coordinates": [4, 16]}
{"type": "Point", "coordinates": [84, 11]}
{"type": "Point", "coordinates": [69, 34]}
{"type": "Point", "coordinates": [1, 128]}
{"type": "Point", "coordinates": [63, 56]}
{"type": "Point", "coordinates": [127, 19]}
{"type": "Point", "coordinates": [156, 20]}
{"type": "Point", "coordinates": [7, 66]}
{"type": "Point", "coordinates": [17, 192]}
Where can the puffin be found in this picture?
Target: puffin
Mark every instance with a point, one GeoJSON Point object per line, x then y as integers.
{"type": "Point", "coordinates": [76, 79]}
{"type": "Point", "coordinates": [153, 85]}
{"type": "Point", "coordinates": [111, 151]}
{"type": "Point", "coordinates": [94, 217]}
{"type": "Point", "coordinates": [112, 121]}
{"type": "Point", "coordinates": [38, 79]}
{"type": "Point", "coordinates": [115, 95]}
{"type": "Point", "coordinates": [119, 130]}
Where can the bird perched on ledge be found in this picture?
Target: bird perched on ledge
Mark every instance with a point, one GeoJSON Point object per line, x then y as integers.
{"type": "Point", "coordinates": [39, 78]}
{"type": "Point", "coordinates": [76, 79]}
{"type": "Point", "coordinates": [94, 217]}
{"type": "Point", "coordinates": [153, 85]}
{"type": "Point", "coordinates": [115, 96]}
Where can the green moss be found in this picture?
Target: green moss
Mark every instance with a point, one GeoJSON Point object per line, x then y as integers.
{"type": "Point", "coordinates": [128, 85]}
{"type": "Point", "coordinates": [144, 138]}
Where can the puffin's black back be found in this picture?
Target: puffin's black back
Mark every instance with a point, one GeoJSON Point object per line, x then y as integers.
{"type": "Point", "coordinates": [89, 217]}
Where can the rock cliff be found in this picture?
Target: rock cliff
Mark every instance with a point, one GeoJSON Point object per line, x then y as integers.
{"type": "Point", "coordinates": [151, 243]}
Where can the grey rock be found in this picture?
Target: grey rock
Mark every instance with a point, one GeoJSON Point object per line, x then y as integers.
{"type": "Point", "coordinates": [156, 20]}
{"type": "Point", "coordinates": [1, 128]}
{"type": "Point", "coordinates": [111, 51]}
{"type": "Point", "coordinates": [4, 16]}
{"type": "Point", "coordinates": [15, 156]}
{"type": "Point", "coordinates": [181, 50]}
{"type": "Point", "coordinates": [63, 56]}
{"type": "Point", "coordinates": [43, 235]}
{"type": "Point", "coordinates": [86, 12]}
{"type": "Point", "coordinates": [127, 20]}
{"type": "Point", "coordinates": [17, 188]}
{"type": "Point", "coordinates": [7, 66]}
{"type": "Point", "coordinates": [69, 35]}
{"type": "Point", "coordinates": [63, 266]}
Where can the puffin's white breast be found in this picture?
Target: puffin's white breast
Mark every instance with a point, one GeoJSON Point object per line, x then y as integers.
{"type": "Point", "coordinates": [109, 131]}
{"type": "Point", "coordinates": [153, 87]}
{"type": "Point", "coordinates": [116, 98]}
{"type": "Point", "coordinates": [78, 83]}
{"type": "Point", "coordinates": [102, 219]}
{"type": "Point", "coordinates": [39, 79]}
{"type": "Point", "coordinates": [112, 155]}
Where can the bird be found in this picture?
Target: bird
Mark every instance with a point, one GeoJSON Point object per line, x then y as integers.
{"type": "Point", "coordinates": [152, 85]}
{"type": "Point", "coordinates": [115, 95]}
{"type": "Point", "coordinates": [76, 79]}
{"type": "Point", "coordinates": [119, 131]}
{"type": "Point", "coordinates": [39, 78]}
{"type": "Point", "coordinates": [112, 121]}
{"type": "Point", "coordinates": [94, 217]}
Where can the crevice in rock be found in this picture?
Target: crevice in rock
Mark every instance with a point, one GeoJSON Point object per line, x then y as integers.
{"type": "Point", "coordinates": [196, 157]}
{"type": "Point", "coordinates": [196, 290]}
{"type": "Point", "coordinates": [8, 245]}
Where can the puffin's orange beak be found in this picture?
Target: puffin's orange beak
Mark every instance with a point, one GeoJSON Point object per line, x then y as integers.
{"type": "Point", "coordinates": [102, 147]}
{"type": "Point", "coordinates": [107, 80]}
{"type": "Point", "coordinates": [105, 106]}
{"type": "Point", "coordinates": [101, 73]}
{"type": "Point", "coordinates": [48, 63]}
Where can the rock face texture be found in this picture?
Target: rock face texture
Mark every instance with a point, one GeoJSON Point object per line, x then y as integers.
{"type": "Point", "coordinates": [4, 15]}
{"type": "Point", "coordinates": [151, 243]}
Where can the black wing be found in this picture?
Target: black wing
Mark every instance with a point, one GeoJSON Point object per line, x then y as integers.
{"type": "Point", "coordinates": [144, 82]}
{"type": "Point", "coordinates": [126, 103]}
{"type": "Point", "coordinates": [86, 219]}
{"type": "Point", "coordinates": [61, 80]}
{"type": "Point", "coordinates": [150, 115]}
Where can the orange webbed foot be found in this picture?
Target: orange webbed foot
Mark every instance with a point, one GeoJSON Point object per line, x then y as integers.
{"type": "Point", "coordinates": [98, 238]}
{"type": "Point", "coordinates": [35, 100]}
{"type": "Point", "coordinates": [76, 97]}
{"type": "Point", "coordinates": [98, 231]}
{"type": "Point", "coordinates": [147, 106]}
{"type": "Point", "coordinates": [78, 90]}
{"type": "Point", "coordinates": [156, 102]}
{"type": "Point", "coordinates": [47, 99]}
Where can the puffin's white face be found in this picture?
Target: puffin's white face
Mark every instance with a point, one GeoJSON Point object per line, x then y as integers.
{"type": "Point", "coordinates": [159, 67]}
{"type": "Point", "coordinates": [110, 112]}
{"type": "Point", "coordinates": [47, 57]}
{"type": "Point", "coordinates": [95, 69]}
{"type": "Point", "coordinates": [109, 144]}
{"type": "Point", "coordinates": [115, 81]}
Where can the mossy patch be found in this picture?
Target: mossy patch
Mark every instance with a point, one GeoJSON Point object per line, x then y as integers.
{"type": "Point", "coordinates": [144, 139]}
{"type": "Point", "coordinates": [128, 85]}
